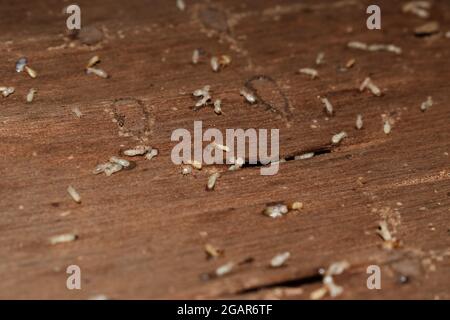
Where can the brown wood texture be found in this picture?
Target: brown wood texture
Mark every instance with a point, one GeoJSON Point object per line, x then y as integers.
{"type": "Point", "coordinates": [142, 232]}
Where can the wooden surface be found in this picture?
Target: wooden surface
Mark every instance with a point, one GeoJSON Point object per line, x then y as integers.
{"type": "Point", "coordinates": [142, 232]}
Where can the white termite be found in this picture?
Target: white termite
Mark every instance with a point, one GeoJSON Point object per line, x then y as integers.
{"type": "Point", "coordinates": [238, 163]}
{"type": "Point", "coordinates": [224, 269]}
{"type": "Point", "coordinates": [215, 64]}
{"type": "Point", "coordinates": [218, 107]}
{"type": "Point", "coordinates": [337, 138]}
{"type": "Point", "coordinates": [112, 168]}
{"type": "Point", "coordinates": [137, 151]}
{"type": "Point", "coordinates": [195, 164]}
{"type": "Point", "coordinates": [387, 127]}
{"type": "Point", "coordinates": [427, 104]}
{"type": "Point", "coordinates": [122, 162]}
{"type": "Point", "coordinates": [276, 210]}
{"type": "Point", "coordinates": [328, 106]}
{"type": "Point", "coordinates": [368, 83]}
{"type": "Point", "coordinates": [419, 8]}
{"type": "Point", "coordinates": [31, 72]}
{"type": "Point", "coordinates": [20, 64]}
{"type": "Point", "coordinates": [320, 58]}
{"type": "Point", "coordinates": [77, 112]}
{"type": "Point", "coordinates": [30, 95]}
{"type": "Point", "coordinates": [313, 73]}
{"type": "Point", "coordinates": [220, 146]}
{"type": "Point", "coordinates": [249, 97]}
{"type": "Point", "coordinates": [151, 154]}
{"type": "Point", "coordinates": [98, 72]}
{"type": "Point", "coordinates": [195, 56]}
{"type": "Point", "coordinates": [304, 156]}
{"type": "Point", "coordinates": [62, 238]}
{"type": "Point", "coordinates": [93, 61]}
{"type": "Point", "coordinates": [279, 260]}
{"type": "Point", "coordinates": [6, 91]}
{"type": "Point", "coordinates": [359, 122]}
{"type": "Point", "coordinates": [181, 5]}
{"type": "Point", "coordinates": [74, 194]}
{"type": "Point", "coordinates": [212, 181]}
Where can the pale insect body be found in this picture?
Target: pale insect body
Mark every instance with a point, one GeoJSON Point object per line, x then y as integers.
{"type": "Point", "coordinates": [20, 64]}
{"type": "Point", "coordinates": [225, 269]}
{"type": "Point", "coordinates": [427, 104]}
{"type": "Point", "coordinates": [31, 72]}
{"type": "Point", "coordinates": [98, 72]}
{"type": "Point", "coordinates": [215, 64]}
{"type": "Point", "coordinates": [77, 112]}
{"type": "Point", "coordinates": [304, 156]}
{"type": "Point", "coordinates": [151, 154]}
{"type": "Point", "coordinates": [186, 170]}
{"type": "Point", "coordinates": [62, 238]}
{"type": "Point", "coordinates": [328, 106]}
{"type": "Point", "coordinates": [195, 164]}
{"type": "Point", "coordinates": [6, 91]}
{"type": "Point", "coordinates": [204, 94]}
{"type": "Point", "coordinates": [368, 83]}
{"type": "Point", "coordinates": [122, 162]}
{"type": "Point", "coordinates": [359, 122]}
{"type": "Point", "coordinates": [310, 72]}
{"type": "Point", "coordinates": [387, 127]}
{"type": "Point", "coordinates": [112, 168]}
{"type": "Point", "coordinates": [249, 97]}
{"type": "Point", "coordinates": [212, 181]}
{"type": "Point", "coordinates": [337, 138]}
{"type": "Point", "coordinates": [320, 58]}
{"type": "Point", "coordinates": [419, 8]}
{"type": "Point", "coordinates": [220, 146]}
{"type": "Point", "coordinates": [195, 56]}
{"type": "Point", "coordinates": [30, 95]}
{"type": "Point", "coordinates": [137, 151]}
{"type": "Point", "coordinates": [74, 194]}
{"type": "Point", "coordinates": [218, 107]}
{"type": "Point", "coordinates": [93, 61]}
{"type": "Point", "coordinates": [181, 5]}
{"type": "Point", "coordinates": [276, 210]}
{"type": "Point", "coordinates": [238, 163]}
{"type": "Point", "coordinates": [279, 260]}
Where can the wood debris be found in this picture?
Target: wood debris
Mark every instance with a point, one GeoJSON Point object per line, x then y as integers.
{"type": "Point", "coordinates": [74, 194]}
{"type": "Point", "coordinates": [195, 164]}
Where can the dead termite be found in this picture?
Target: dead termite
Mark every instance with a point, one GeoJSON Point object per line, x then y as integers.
{"type": "Point", "coordinates": [276, 210]}
{"type": "Point", "coordinates": [374, 47]}
{"type": "Point", "coordinates": [6, 91]}
{"type": "Point", "coordinates": [98, 72]}
{"type": "Point", "coordinates": [195, 56]}
{"type": "Point", "coordinates": [137, 151]}
{"type": "Point", "coordinates": [218, 107]}
{"type": "Point", "coordinates": [419, 8]}
{"type": "Point", "coordinates": [304, 156]}
{"type": "Point", "coordinates": [368, 84]}
{"type": "Point", "coordinates": [62, 238]}
{"type": "Point", "coordinates": [310, 72]}
{"type": "Point", "coordinates": [238, 163]}
{"type": "Point", "coordinates": [320, 58]}
{"type": "Point", "coordinates": [74, 194]}
{"type": "Point", "coordinates": [337, 138]}
{"type": "Point", "coordinates": [328, 106]}
{"type": "Point", "coordinates": [100, 168]}
{"type": "Point", "coordinates": [279, 260]}
{"type": "Point", "coordinates": [20, 64]}
{"type": "Point", "coordinates": [359, 122]}
{"type": "Point", "coordinates": [30, 95]}
{"type": "Point", "coordinates": [93, 61]}
{"type": "Point", "coordinates": [390, 242]}
{"type": "Point", "coordinates": [212, 252]}
{"type": "Point", "coordinates": [220, 146]}
{"type": "Point", "coordinates": [249, 97]}
{"type": "Point", "coordinates": [204, 95]}
{"type": "Point", "coordinates": [387, 127]}
{"type": "Point", "coordinates": [77, 112]}
{"type": "Point", "coordinates": [427, 104]}
{"type": "Point", "coordinates": [151, 154]}
{"type": "Point", "coordinates": [186, 170]}
{"type": "Point", "coordinates": [195, 164]}
{"type": "Point", "coordinates": [328, 285]}
{"type": "Point", "coordinates": [122, 162]}
{"type": "Point", "coordinates": [350, 63]}
{"type": "Point", "coordinates": [32, 73]}
{"type": "Point", "coordinates": [224, 269]}
{"type": "Point", "coordinates": [212, 181]}
{"type": "Point", "coordinates": [112, 168]}
{"type": "Point", "coordinates": [181, 5]}
{"type": "Point", "coordinates": [215, 64]}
